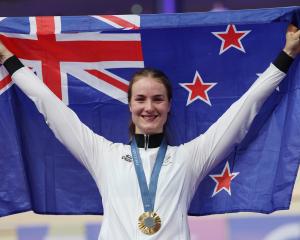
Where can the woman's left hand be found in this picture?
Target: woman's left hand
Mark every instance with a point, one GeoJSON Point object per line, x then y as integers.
{"type": "Point", "coordinates": [292, 44]}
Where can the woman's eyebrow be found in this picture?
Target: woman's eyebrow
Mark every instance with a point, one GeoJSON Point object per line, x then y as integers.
{"type": "Point", "coordinates": [154, 96]}
{"type": "Point", "coordinates": [159, 95]}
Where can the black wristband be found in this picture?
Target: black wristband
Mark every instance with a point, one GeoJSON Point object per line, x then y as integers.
{"type": "Point", "coordinates": [12, 64]}
{"type": "Point", "coordinates": [283, 61]}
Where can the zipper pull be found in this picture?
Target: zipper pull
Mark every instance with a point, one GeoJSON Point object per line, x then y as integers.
{"type": "Point", "coordinates": [146, 141]}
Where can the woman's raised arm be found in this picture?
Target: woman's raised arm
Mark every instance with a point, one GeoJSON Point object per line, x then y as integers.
{"type": "Point", "coordinates": [220, 139]}
{"type": "Point", "coordinates": [64, 123]}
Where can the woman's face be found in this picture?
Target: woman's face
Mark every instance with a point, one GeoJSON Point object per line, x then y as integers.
{"type": "Point", "coordinates": [149, 105]}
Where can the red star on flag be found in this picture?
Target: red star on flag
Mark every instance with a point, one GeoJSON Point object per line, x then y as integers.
{"type": "Point", "coordinates": [198, 89]}
{"type": "Point", "coordinates": [223, 180]}
{"type": "Point", "coordinates": [231, 38]}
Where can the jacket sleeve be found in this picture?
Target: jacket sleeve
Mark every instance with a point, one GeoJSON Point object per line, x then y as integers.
{"type": "Point", "coordinates": [82, 142]}
{"type": "Point", "coordinates": [207, 150]}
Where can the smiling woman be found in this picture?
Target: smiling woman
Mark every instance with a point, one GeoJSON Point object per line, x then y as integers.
{"type": "Point", "coordinates": [149, 97]}
{"type": "Point", "coordinates": [147, 186]}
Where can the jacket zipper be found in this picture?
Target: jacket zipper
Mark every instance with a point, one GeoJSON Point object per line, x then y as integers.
{"type": "Point", "coordinates": [146, 141]}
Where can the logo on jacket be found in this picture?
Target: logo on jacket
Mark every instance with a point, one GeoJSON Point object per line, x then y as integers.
{"type": "Point", "coordinates": [127, 158]}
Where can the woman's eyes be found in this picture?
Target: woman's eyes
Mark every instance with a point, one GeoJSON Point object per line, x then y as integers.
{"type": "Point", "coordinates": [140, 99]}
{"type": "Point", "coordinates": [158, 99]}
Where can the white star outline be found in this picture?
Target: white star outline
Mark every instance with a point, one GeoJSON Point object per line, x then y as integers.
{"type": "Point", "coordinates": [234, 174]}
{"type": "Point", "coordinates": [207, 100]}
{"type": "Point", "coordinates": [231, 45]}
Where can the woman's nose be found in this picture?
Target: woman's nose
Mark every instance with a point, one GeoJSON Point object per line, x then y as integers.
{"type": "Point", "coordinates": [149, 105]}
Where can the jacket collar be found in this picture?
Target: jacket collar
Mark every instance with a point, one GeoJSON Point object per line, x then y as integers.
{"type": "Point", "coordinates": [148, 141]}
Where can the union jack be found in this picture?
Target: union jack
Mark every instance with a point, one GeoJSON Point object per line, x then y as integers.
{"type": "Point", "coordinates": [54, 52]}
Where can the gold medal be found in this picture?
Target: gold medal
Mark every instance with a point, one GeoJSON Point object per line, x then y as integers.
{"type": "Point", "coordinates": [149, 223]}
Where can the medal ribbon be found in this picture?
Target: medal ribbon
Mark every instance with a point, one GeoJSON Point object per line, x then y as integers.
{"type": "Point", "coordinates": [148, 195]}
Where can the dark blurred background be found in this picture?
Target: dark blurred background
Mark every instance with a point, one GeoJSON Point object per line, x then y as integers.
{"type": "Point", "coordinates": [91, 7]}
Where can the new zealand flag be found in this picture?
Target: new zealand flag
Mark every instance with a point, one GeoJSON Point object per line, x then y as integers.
{"type": "Point", "coordinates": [87, 61]}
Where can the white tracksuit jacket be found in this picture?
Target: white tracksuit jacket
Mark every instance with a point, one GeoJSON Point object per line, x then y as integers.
{"type": "Point", "coordinates": [184, 166]}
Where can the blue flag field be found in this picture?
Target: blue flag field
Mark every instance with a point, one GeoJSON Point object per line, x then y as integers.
{"type": "Point", "coordinates": [87, 61]}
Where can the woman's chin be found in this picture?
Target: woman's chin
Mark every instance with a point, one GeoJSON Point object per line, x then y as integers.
{"type": "Point", "coordinates": [149, 131]}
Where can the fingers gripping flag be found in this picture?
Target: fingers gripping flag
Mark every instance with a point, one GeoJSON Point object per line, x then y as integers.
{"type": "Point", "coordinates": [87, 62]}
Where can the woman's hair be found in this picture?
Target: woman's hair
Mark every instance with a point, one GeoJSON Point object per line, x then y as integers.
{"type": "Point", "coordinates": [155, 74]}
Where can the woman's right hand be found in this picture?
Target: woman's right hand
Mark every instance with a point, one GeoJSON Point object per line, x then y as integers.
{"type": "Point", "coordinates": [4, 53]}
